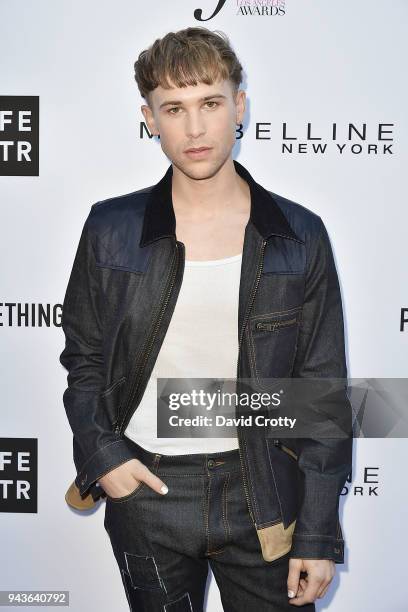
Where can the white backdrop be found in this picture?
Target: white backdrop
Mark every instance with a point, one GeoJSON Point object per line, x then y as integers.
{"type": "Point", "coordinates": [320, 63]}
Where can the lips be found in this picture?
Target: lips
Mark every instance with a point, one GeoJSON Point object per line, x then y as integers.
{"type": "Point", "coordinates": [198, 153]}
{"type": "Point", "coordinates": [197, 150]}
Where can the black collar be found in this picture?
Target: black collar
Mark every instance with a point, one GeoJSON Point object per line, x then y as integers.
{"type": "Point", "coordinates": [265, 214]}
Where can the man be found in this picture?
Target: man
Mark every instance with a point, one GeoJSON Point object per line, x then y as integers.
{"type": "Point", "coordinates": [174, 280]}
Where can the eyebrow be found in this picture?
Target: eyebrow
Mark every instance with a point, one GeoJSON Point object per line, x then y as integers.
{"type": "Point", "coordinates": [200, 100]}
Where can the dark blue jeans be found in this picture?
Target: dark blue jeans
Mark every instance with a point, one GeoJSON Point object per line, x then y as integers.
{"type": "Point", "coordinates": [164, 543]}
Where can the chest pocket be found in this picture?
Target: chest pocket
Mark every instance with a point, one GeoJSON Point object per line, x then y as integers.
{"type": "Point", "coordinates": [272, 339]}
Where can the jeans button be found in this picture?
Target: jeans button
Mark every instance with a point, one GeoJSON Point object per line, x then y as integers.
{"type": "Point", "coordinates": [210, 463]}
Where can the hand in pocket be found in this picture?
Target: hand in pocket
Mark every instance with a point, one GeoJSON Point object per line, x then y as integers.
{"type": "Point", "coordinates": [126, 478]}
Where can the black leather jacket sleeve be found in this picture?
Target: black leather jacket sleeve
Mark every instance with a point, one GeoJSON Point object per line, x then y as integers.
{"type": "Point", "coordinates": [96, 448]}
{"type": "Point", "coordinates": [324, 464]}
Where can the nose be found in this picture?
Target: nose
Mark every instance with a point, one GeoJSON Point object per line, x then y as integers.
{"type": "Point", "coordinates": [195, 125]}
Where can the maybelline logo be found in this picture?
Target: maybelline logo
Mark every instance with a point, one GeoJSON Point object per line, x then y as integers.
{"type": "Point", "coordinates": [18, 314]}
{"type": "Point", "coordinates": [260, 8]}
{"type": "Point", "coordinates": [367, 486]}
{"type": "Point", "coordinates": [19, 135]}
{"type": "Point", "coordinates": [349, 138]}
{"type": "Point", "coordinates": [18, 474]}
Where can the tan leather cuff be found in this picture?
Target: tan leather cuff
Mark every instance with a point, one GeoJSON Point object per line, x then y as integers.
{"type": "Point", "coordinates": [74, 499]}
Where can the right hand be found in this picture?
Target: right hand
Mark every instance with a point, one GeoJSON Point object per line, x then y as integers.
{"type": "Point", "coordinates": [124, 479]}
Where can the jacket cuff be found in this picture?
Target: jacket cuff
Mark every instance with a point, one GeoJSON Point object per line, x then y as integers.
{"type": "Point", "coordinates": [317, 547]}
{"type": "Point", "coordinates": [102, 461]}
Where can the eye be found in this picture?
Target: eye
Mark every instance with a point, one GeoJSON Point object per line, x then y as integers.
{"type": "Point", "coordinates": [176, 108]}
{"type": "Point", "coordinates": [212, 102]}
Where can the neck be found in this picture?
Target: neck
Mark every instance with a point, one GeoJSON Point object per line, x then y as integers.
{"type": "Point", "coordinates": [210, 197]}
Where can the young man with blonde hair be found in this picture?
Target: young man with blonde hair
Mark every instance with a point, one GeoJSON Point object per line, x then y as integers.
{"type": "Point", "coordinates": [205, 274]}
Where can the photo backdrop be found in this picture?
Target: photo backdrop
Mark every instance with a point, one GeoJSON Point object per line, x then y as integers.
{"type": "Point", "coordinates": [325, 126]}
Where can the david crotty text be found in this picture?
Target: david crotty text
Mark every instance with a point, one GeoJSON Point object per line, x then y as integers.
{"type": "Point", "coordinates": [222, 421]}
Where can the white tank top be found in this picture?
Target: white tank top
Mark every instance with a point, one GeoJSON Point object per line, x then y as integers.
{"type": "Point", "coordinates": [201, 342]}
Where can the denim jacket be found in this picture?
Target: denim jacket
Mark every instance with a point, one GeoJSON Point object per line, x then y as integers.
{"type": "Point", "coordinates": [119, 301]}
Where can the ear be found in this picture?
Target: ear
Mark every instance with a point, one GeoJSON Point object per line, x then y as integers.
{"type": "Point", "coordinates": [240, 106]}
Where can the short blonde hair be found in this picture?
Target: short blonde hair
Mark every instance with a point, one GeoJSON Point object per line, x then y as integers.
{"type": "Point", "coordinates": [187, 57]}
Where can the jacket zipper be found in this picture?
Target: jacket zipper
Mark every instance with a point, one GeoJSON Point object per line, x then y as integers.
{"type": "Point", "coordinates": [136, 382]}
{"type": "Point", "coordinates": [274, 325]}
{"type": "Point", "coordinates": [259, 272]}
{"type": "Point", "coordinates": [120, 428]}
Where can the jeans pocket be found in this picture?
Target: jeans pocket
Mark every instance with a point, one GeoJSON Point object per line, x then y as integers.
{"type": "Point", "coordinates": [128, 496]}
{"type": "Point", "coordinates": [153, 467]}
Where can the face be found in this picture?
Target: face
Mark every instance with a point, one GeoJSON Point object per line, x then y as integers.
{"type": "Point", "coordinates": [185, 120]}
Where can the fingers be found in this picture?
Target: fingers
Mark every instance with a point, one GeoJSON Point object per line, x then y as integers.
{"type": "Point", "coordinates": [316, 583]}
{"type": "Point", "coordinates": [141, 472]}
{"type": "Point", "coordinates": [323, 590]}
{"type": "Point", "coordinates": [295, 567]}
{"type": "Point", "coordinates": [153, 481]}
{"type": "Point", "coordinates": [302, 587]}
{"type": "Point", "coordinates": [124, 479]}
{"type": "Point", "coordinates": [308, 594]}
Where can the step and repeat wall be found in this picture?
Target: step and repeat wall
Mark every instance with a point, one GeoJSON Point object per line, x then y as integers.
{"type": "Point", "coordinates": [325, 126]}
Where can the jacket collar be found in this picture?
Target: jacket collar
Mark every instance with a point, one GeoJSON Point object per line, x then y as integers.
{"type": "Point", "coordinates": [265, 214]}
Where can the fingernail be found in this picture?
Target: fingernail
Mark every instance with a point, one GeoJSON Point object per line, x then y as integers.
{"type": "Point", "coordinates": [291, 594]}
{"type": "Point", "coordinates": [164, 489]}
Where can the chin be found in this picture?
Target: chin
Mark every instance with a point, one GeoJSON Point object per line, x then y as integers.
{"type": "Point", "coordinates": [197, 169]}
